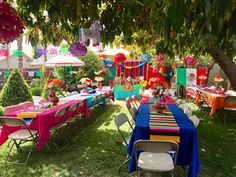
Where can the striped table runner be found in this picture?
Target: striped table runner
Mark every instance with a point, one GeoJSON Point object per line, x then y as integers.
{"type": "Point", "coordinates": [163, 126]}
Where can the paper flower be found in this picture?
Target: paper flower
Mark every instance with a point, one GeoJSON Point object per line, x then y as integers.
{"type": "Point", "coordinates": [119, 58]}
{"type": "Point", "coordinates": [218, 79]}
{"type": "Point", "coordinates": [146, 57]}
{"type": "Point", "coordinates": [86, 80]}
{"type": "Point", "coordinates": [111, 83]}
{"type": "Point", "coordinates": [143, 83]}
{"type": "Point", "coordinates": [190, 60]}
{"type": "Point", "coordinates": [78, 50]}
{"type": "Point", "coordinates": [11, 26]}
{"type": "Point", "coordinates": [159, 58]}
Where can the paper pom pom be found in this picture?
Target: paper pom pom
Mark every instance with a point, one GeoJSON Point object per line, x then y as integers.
{"type": "Point", "coordinates": [119, 58]}
{"type": "Point", "coordinates": [159, 58]}
{"type": "Point", "coordinates": [146, 57]}
{"type": "Point", "coordinates": [78, 50]}
{"type": "Point", "coordinates": [11, 26]}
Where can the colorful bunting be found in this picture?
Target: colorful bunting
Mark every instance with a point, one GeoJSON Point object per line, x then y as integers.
{"type": "Point", "coordinates": [53, 51]}
{"type": "Point", "coordinates": [41, 51]}
{"type": "Point", "coordinates": [64, 49]}
{"type": "Point", "coordinates": [4, 53]}
{"type": "Point", "coordinates": [17, 53]}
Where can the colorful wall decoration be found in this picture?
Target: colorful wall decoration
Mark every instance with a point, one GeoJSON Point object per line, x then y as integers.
{"type": "Point", "coordinates": [189, 76]}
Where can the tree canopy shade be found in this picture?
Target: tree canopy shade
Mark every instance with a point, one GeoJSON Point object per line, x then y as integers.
{"type": "Point", "coordinates": [202, 26]}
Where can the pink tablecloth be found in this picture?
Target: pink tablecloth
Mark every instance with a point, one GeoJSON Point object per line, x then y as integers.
{"type": "Point", "coordinates": [42, 123]}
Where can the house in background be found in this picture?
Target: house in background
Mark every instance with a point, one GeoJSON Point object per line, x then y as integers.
{"type": "Point", "coordinates": [11, 62]}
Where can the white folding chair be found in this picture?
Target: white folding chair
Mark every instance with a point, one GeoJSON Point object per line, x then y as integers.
{"type": "Point", "coordinates": [155, 156]}
{"type": "Point", "coordinates": [195, 120]}
{"type": "Point", "coordinates": [19, 137]}
{"type": "Point", "coordinates": [119, 121]}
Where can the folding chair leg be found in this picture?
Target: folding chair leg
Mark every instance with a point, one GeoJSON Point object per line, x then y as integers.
{"type": "Point", "coordinates": [27, 159]}
{"type": "Point", "coordinates": [126, 160]}
{"type": "Point", "coordinates": [8, 154]}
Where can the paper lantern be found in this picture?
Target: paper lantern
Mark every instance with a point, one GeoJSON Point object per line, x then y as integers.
{"type": "Point", "coordinates": [78, 50]}
{"type": "Point", "coordinates": [146, 57]}
{"type": "Point", "coordinates": [11, 26]}
{"type": "Point", "coordinates": [119, 58]}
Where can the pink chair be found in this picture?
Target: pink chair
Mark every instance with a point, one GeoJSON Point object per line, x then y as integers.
{"type": "Point", "coordinates": [13, 108]}
{"type": "Point", "coordinates": [27, 104]}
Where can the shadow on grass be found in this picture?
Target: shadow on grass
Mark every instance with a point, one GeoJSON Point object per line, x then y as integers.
{"type": "Point", "coordinates": [95, 153]}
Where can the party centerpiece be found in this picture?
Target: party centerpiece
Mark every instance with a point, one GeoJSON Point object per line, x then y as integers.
{"type": "Point", "coordinates": [54, 87]}
{"type": "Point", "coordinates": [85, 83]}
{"type": "Point", "coordinates": [99, 80]}
{"type": "Point", "coordinates": [218, 84]}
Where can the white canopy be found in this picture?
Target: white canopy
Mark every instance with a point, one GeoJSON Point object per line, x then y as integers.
{"type": "Point", "coordinates": [112, 52]}
{"type": "Point", "coordinates": [64, 60]}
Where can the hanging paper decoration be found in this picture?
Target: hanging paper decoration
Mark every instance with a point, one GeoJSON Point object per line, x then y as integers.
{"type": "Point", "coordinates": [4, 53]}
{"type": "Point", "coordinates": [78, 50]}
{"type": "Point", "coordinates": [41, 51]}
{"type": "Point", "coordinates": [64, 49]}
{"type": "Point", "coordinates": [17, 53]}
{"type": "Point", "coordinates": [119, 58]}
{"type": "Point", "coordinates": [92, 33]}
{"type": "Point", "coordinates": [159, 58]}
{"type": "Point", "coordinates": [146, 57]}
{"type": "Point", "coordinates": [11, 26]}
{"type": "Point", "coordinates": [190, 60]}
{"type": "Point", "coordinates": [53, 51]}
{"type": "Point", "coordinates": [24, 74]}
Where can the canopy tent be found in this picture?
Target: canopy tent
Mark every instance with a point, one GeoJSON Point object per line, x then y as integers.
{"type": "Point", "coordinates": [112, 52]}
{"type": "Point", "coordinates": [64, 60]}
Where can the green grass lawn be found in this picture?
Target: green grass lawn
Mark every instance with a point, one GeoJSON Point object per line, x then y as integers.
{"type": "Point", "coordinates": [98, 152]}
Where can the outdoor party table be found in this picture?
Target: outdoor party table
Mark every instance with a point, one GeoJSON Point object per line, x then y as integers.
{"type": "Point", "coordinates": [121, 93]}
{"type": "Point", "coordinates": [42, 121]}
{"type": "Point", "coordinates": [215, 100]}
{"type": "Point", "coordinates": [183, 131]}
{"type": "Point", "coordinates": [88, 98]}
{"type": "Point", "coordinates": [148, 98]}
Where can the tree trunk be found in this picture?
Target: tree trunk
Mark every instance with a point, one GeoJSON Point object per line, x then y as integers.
{"type": "Point", "coordinates": [225, 63]}
{"type": "Point", "coordinates": [20, 58]}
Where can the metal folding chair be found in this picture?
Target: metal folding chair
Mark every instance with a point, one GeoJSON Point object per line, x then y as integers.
{"type": "Point", "coordinates": [121, 120]}
{"type": "Point", "coordinates": [19, 137]}
{"type": "Point", "coordinates": [155, 156]}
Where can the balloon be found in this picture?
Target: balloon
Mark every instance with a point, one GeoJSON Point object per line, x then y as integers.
{"type": "Point", "coordinates": [146, 57]}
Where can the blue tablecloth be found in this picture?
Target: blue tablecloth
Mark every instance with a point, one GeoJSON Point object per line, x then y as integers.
{"type": "Point", "coordinates": [90, 102]}
{"type": "Point", "coordinates": [188, 147]}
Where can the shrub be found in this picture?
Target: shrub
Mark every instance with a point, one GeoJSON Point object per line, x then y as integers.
{"type": "Point", "coordinates": [15, 90]}
{"type": "Point", "coordinates": [36, 91]}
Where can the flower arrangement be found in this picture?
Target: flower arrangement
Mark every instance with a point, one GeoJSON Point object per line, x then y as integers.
{"type": "Point", "coordinates": [218, 81]}
{"type": "Point", "coordinates": [54, 86]}
{"type": "Point", "coordinates": [190, 60]}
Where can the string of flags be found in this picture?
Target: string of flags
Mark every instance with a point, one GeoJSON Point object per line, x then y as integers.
{"type": "Point", "coordinates": [32, 74]}
{"type": "Point", "coordinates": [40, 51]}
